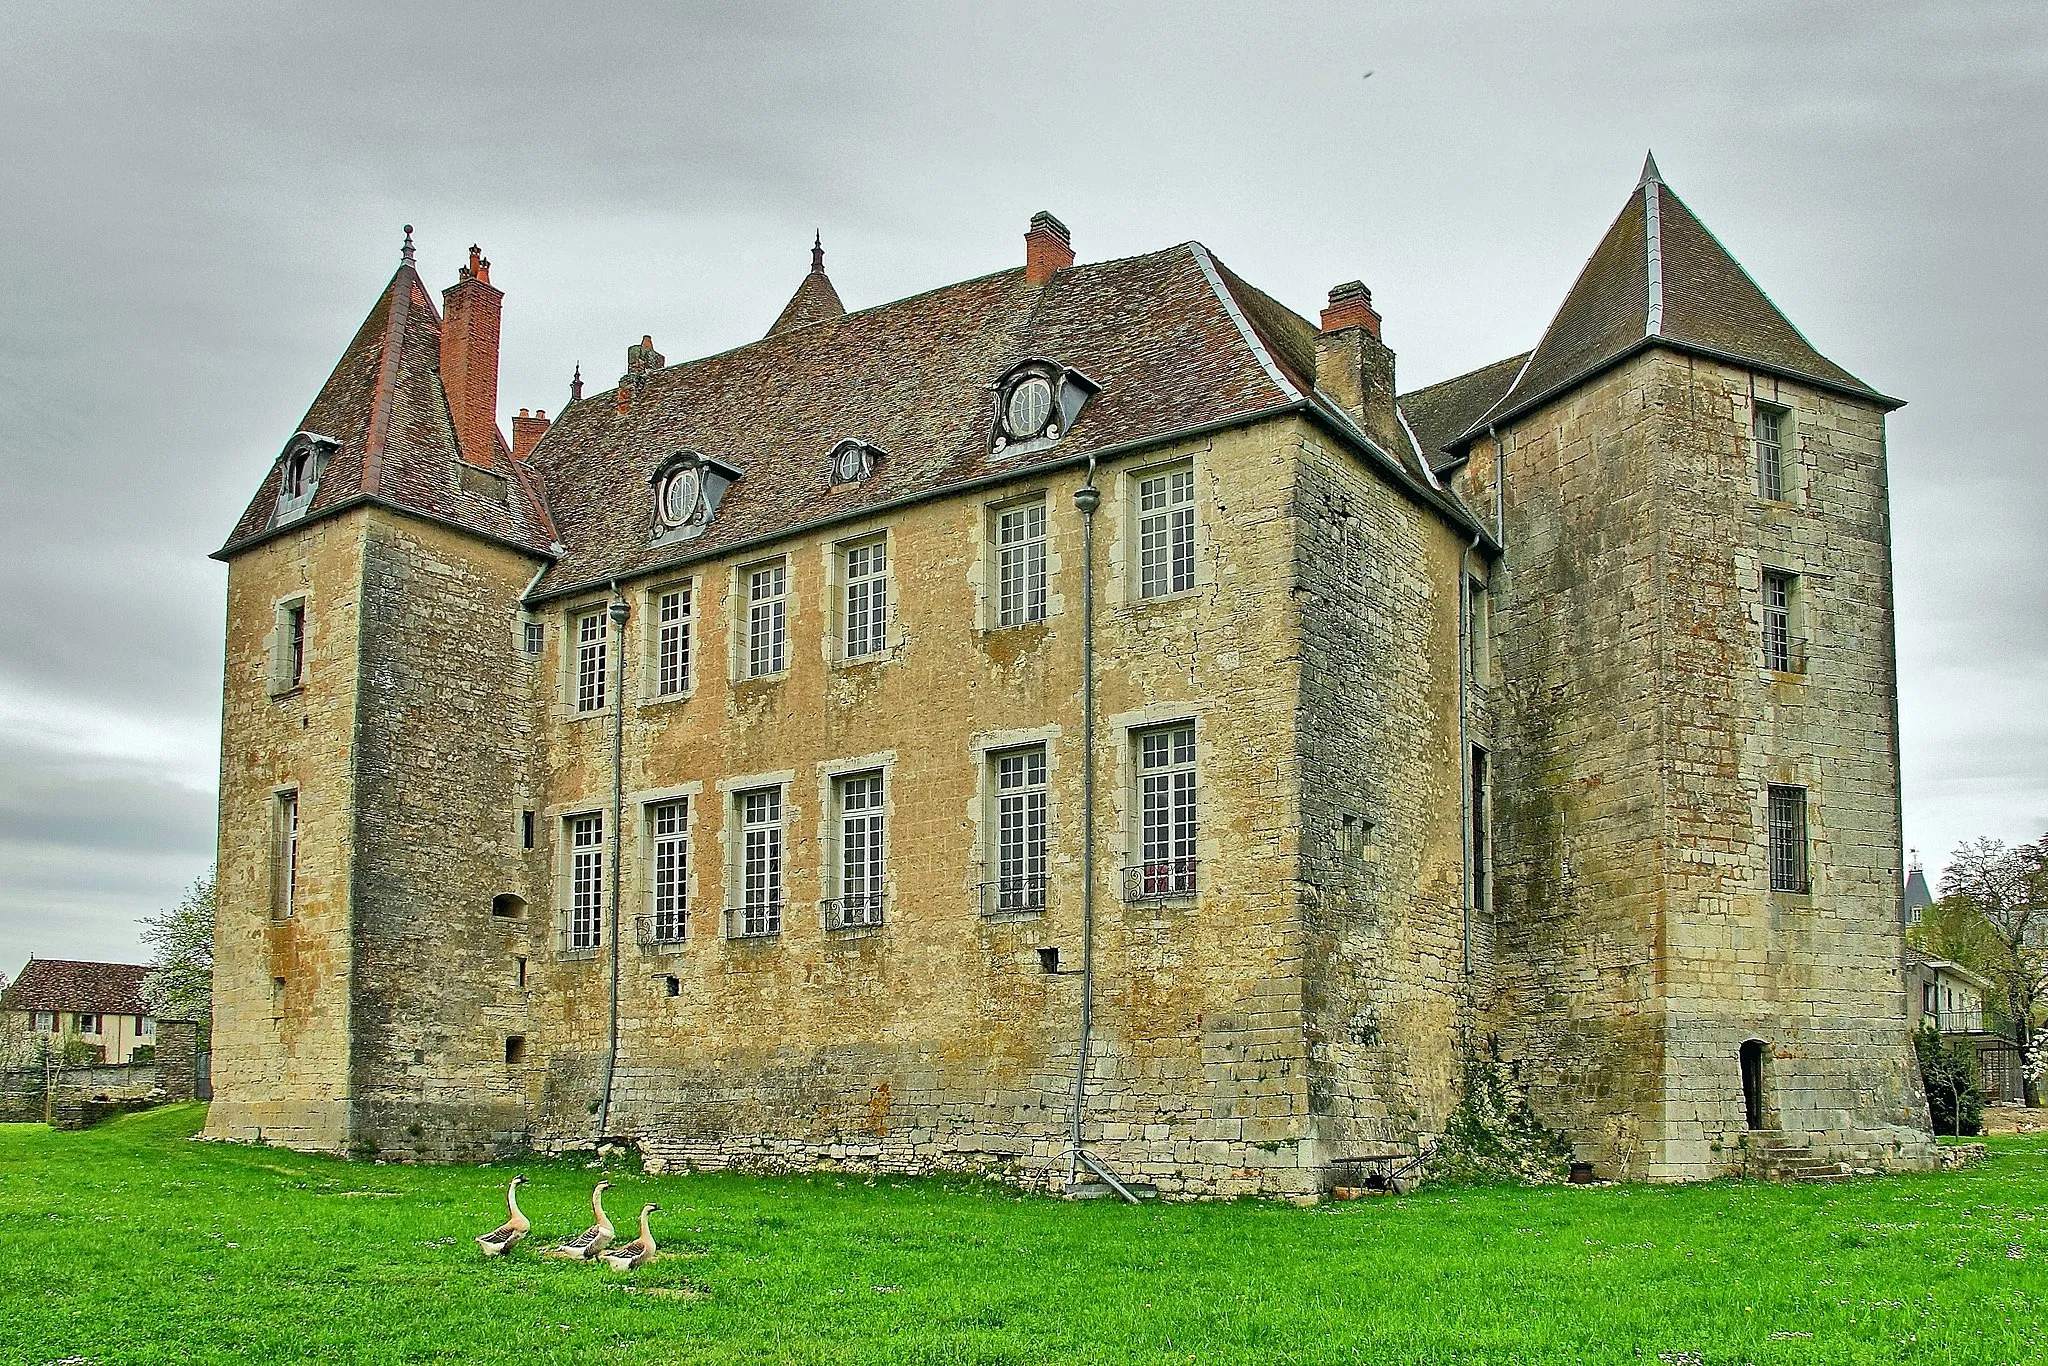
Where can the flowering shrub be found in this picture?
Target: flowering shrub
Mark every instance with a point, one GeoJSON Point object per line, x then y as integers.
{"type": "Point", "coordinates": [1494, 1135]}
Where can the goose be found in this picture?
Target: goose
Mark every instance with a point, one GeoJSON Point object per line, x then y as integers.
{"type": "Point", "coordinates": [641, 1249]}
{"type": "Point", "coordinates": [510, 1233]}
{"type": "Point", "coordinates": [594, 1239]}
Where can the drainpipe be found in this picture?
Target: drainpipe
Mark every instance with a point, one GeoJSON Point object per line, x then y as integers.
{"type": "Point", "coordinates": [616, 611]}
{"type": "Point", "coordinates": [1465, 748]}
{"type": "Point", "coordinates": [1087, 498]}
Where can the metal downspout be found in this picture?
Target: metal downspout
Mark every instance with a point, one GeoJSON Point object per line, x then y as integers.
{"type": "Point", "coordinates": [1087, 498]}
{"type": "Point", "coordinates": [615, 610]}
{"type": "Point", "coordinates": [1465, 750]}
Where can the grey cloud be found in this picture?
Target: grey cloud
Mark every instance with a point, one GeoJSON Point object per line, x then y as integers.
{"type": "Point", "coordinates": [205, 199]}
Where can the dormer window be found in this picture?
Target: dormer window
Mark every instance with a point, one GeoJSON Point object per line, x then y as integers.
{"type": "Point", "coordinates": [1036, 405]}
{"type": "Point", "coordinates": [305, 460]}
{"type": "Point", "coordinates": [853, 462]}
{"type": "Point", "coordinates": [688, 488]}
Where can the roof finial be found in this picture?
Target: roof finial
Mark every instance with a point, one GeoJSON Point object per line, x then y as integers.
{"type": "Point", "coordinates": [1649, 170]}
{"type": "Point", "coordinates": [405, 252]}
{"type": "Point", "coordinates": [818, 252]}
{"type": "Point", "coordinates": [576, 383]}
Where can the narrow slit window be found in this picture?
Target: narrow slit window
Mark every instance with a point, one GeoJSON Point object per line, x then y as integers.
{"type": "Point", "coordinates": [1781, 653]}
{"type": "Point", "coordinates": [1787, 819]}
{"type": "Point", "coordinates": [670, 825]}
{"type": "Point", "coordinates": [760, 862]}
{"type": "Point", "coordinates": [295, 644]}
{"type": "Point", "coordinates": [1166, 533]}
{"type": "Point", "coordinates": [1769, 432]}
{"type": "Point", "coordinates": [767, 620]}
{"type": "Point", "coordinates": [1166, 802]}
{"type": "Point", "coordinates": [285, 894]}
{"type": "Point", "coordinates": [1481, 834]}
{"type": "Point", "coordinates": [867, 598]}
{"type": "Point", "coordinates": [586, 880]}
{"type": "Point", "coordinates": [1020, 830]}
{"type": "Point", "coordinates": [672, 613]}
{"type": "Point", "coordinates": [862, 873]}
{"type": "Point", "coordinates": [1020, 565]}
{"type": "Point", "coordinates": [591, 661]}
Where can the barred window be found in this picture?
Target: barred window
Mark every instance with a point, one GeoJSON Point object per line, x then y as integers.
{"type": "Point", "coordinates": [670, 824]}
{"type": "Point", "coordinates": [760, 861]}
{"type": "Point", "coordinates": [1020, 561]}
{"type": "Point", "coordinates": [862, 874]}
{"type": "Point", "coordinates": [1788, 839]}
{"type": "Point", "coordinates": [767, 620]}
{"type": "Point", "coordinates": [1020, 829]}
{"type": "Point", "coordinates": [1770, 451]}
{"type": "Point", "coordinates": [867, 598]}
{"type": "Point", "coordinates": [590, 661]}
{"type": "Point", "coordinates": [672, 614]}
{"type": "Point", "coordinates": [1778, 622]}
{"type": "Point", "coordinates": [586, 880]}
{"type": "Point", "coordinates": [1166, 800]}
{"type": "Point", "coordinates": [1166, 533]}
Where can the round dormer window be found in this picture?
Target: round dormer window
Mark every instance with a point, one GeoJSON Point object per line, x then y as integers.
{"type": "Point", "coordinates": [679, 497]}
{"type": "Point", "coordinates": [1027, 407]}
{"type": "Point", "coordinates": [851, 466]}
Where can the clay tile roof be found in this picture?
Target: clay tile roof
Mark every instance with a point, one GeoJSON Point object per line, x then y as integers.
{"type": "Point", "coordinates": [1660, 277]}
{"type": "Point", "coordinates": [384, 403]}
{"type": "Point", "coordinates": [910, 378]}
{"type": "Point", "coordinates": [814, 301]}
{"type": "Point", "coordinates": [59, 984]}
{"type": "Point", "coordinates": [1443, 412]}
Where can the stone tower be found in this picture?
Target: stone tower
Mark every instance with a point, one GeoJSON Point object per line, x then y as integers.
{"type": "Point", "coordinates": [1698, 844]}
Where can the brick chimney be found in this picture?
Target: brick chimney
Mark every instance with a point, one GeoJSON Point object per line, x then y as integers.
{"type": "Point", "coordinates": [1355, 368]}
{"type": "Point", "coordinates": [527, 432]}
{"type": "Point", "coordinates": [642, 361]}
{"type": "Point", "coordinates": [469, 359]}
{"type": "Point", "coordinates": [1047, 248]}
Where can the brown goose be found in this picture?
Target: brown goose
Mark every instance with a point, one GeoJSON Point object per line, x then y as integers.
{"type": "Point", "coordinates": [594, 1239]}
{"type": "Point", "coordinates": [510, 1233]}
{"type": "Point", "coordinates": [629, 1255]}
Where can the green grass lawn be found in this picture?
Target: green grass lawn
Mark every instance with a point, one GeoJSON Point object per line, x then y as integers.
{"type": "Point", "coordinates": [128, 1244]}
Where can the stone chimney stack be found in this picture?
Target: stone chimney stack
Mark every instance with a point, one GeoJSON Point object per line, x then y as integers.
{"type": "Point", "coordinates": [470, 310]}
{"type": "Point", "coordinates": [1355, 368]}
{"type": "Point", "coordinates": [1048, 247]}
{"type": "Point", "coordinates": [527, 432]}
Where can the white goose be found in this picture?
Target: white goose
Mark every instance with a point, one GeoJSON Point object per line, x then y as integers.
{"type": "Point", "coordinates": [641, 1249]}
{"type": "Point", "coordinates": [594, 1239]}
{"type": "Point", "coordinates": [510, 1233]}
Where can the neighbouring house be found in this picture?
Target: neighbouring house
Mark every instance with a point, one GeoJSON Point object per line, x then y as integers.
{"type": "Point", "coordinates": [1963, 1008]}
{"type": "Point", "coordinates": [98, 1004]}
{"type": "Point", "coordinates": [1918, 900]}
{"type": "Point", "coordinates": [1080, 702]}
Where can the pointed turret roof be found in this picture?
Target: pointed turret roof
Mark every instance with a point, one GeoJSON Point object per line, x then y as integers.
{"type": "Point", "coordinates": [1659, 277]}
{"type": "Point", "coordinates": [385, 410]}
{"type": "Point", "coordinates": [815, 300]}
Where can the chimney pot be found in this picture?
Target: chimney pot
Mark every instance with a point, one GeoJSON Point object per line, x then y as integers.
{"type": "Point", "coordinates": [1048, 248]}
{"type": "Point", "coordinates": [1351, 306]}
{"type": "Point", "coordinates": [471, 309]}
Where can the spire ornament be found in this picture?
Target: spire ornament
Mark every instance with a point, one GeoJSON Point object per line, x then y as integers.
{"type": "Point", "coordinates": [405, 252]}
{"type": "Point", "coordinates": [576, 383]}
{"type": "Point", "coordinates": [1650, 172]}
{"type": "Point", "coordinates": [817, 253]}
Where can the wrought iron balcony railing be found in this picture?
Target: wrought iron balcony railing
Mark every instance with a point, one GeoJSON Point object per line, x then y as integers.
{"type": "Point", "coordinates": [1170, 879]}
{"type": "Point", "coordinates": [854, 911]}
{"type": "Point", "coordinates": [663, 929]}
{"type": "Point", "coordinates": [757, 920]}
{"type": "Point", "coordinates": [1017, 894]}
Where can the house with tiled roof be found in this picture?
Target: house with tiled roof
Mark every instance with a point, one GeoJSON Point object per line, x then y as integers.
{"type": "Point", "coordinates": [98, 1004]}
{"type": "Point", "coordinates": [1081, 722]}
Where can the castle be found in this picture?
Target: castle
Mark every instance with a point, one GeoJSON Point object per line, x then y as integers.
{"type": "Point", "coordinates": [1079, 720]}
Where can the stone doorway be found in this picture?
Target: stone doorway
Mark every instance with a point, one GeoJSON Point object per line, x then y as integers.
{"type": "Point", "coordinates": [1755, 1052]}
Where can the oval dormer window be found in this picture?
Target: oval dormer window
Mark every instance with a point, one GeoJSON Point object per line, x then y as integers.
{"type": "Point", "coordinates": [1027, 407]}
{"type": "Point", "coordinates": [679, 497]}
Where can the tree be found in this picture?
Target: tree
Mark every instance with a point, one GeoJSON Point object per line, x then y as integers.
{"type": "Point", "coordinates": [1948, 1073]}
{"type": "Point", "coordinates": [2008, 889]}
{"type": "Point", "coordinates": [180, 986]}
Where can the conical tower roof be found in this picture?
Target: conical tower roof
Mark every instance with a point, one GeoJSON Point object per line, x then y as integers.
{"type": "Point", "coordinates": [1660, 277]}
{"type": "Point", "coordinates": [385, 410]}
{"type": "Point", "coordinates": [815, 300]}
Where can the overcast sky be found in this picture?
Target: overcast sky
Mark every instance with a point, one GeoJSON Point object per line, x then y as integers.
{"type": "Point", "coordinates": [202, 201]}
